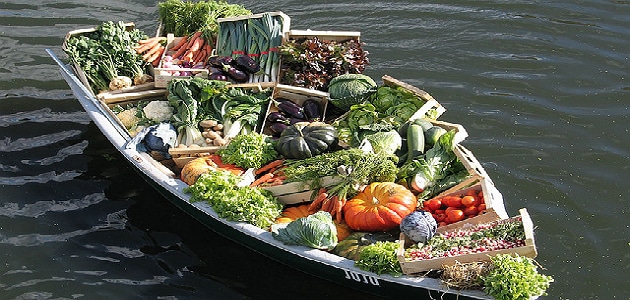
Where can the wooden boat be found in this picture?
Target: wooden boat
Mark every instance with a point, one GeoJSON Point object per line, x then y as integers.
{"type": "Point", "coordinates": [312, 261]}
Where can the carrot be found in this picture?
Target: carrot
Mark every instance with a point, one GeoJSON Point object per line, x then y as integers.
{"type": "Point", "coordinates": [150, 44]}
{"type": "Point", "coordinates": [181, 43]}
{"type": "Point", "coordinates": [269, 166]}
{"type": "Point", "coordinates": [156, 55]}
{"type": "Point", "coordinates": [198, 56]}
{"type": "Point", "coordinates": [262, 179]}
{"type": "Point", "coordinates": [197, 44]}
{"type": "Point", "coordinates": [327, 205]}
{"type": "Point", "coordinates": [318, 201]}
{"type": "Point", "coordinates": [151, 51]}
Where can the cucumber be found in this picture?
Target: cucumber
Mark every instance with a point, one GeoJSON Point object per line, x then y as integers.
{"type": "Point", "coordinates": [424, 123]}
{"type": "Point", "coordinates": [415, 141]}
{"type": "Point", "coordinates": [432, 135]}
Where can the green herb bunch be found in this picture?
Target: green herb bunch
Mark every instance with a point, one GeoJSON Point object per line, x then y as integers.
{"type": "Point", "coordinates": [514, 278]}
{"type": "Point", "coordinates": [251, 150]}
{"type": "Point", "coordinates": [241, 204]}
{"type": "Point", "coordinates": [380, 258]}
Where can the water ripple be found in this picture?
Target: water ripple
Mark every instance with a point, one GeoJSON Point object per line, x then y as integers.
{"type": "Point", "coordinates": [60, 156]}
{"type": "Point", "coordinates": [51, 176]}
{"type": "Point", "coordinates": [20, 144]}
{"type": "Point", "coordinates": [40, 208]}
{"type": "Point", "coordinates": [44, 115]}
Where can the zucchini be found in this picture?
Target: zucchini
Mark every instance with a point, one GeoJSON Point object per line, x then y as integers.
{"type": "Point", "coordinates": [415, 141]}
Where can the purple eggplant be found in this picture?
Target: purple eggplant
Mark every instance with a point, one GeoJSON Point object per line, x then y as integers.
{"type": "Point", "coordinates": [277, 128]}
{"type": "Point", "coordinates": [220, 61]}
{"type": "Point", "coordinates": [218, 75]}
{"type": "Point", "coordinates": [294, 120]}
{"type": "Point", "coordinates": [312, 110]}
{"type": "Point", "coordinates": [277, 117]}
{"type": "Point", "coordinates": [246, 63]}
{"type": "Point", "coordinates": [291, 108]}
{"type": "Point", "coordinates": [236, 74]}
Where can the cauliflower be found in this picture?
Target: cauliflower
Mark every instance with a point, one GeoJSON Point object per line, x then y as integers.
{"type": "Point", "coordinates": [128, 117]}
{"type": "Point", "coordinates": [158, 111]}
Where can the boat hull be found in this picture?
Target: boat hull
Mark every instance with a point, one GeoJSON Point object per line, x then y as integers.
{"type": "Point", "coordinates": [318, 263]}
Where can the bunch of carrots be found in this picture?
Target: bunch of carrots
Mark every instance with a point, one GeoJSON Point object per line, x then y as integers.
{"type": "Point", "coordinates": [192, 49]}
{"type": "Point", "coordinates": [270, 174]}
{"type": "Point", "coordinates": [151, 49]}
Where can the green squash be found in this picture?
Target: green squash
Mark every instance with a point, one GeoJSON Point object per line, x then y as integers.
{"type": "Point", "coordinates": [306, 139]}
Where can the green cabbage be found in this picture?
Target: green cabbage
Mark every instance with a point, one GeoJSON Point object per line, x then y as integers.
{"type": "Point", "coordinates": [316, 231]}
{"type": "Point", "coordinates": [385, 142]}
{"type": "Point", "coordinates": [348, 89]}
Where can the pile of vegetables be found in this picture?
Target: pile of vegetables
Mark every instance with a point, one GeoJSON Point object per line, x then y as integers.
{"type": "Point", "coordinates": [380, 159]}
{"type": "Point", "coordinates": [239, 110]}
{"type": "Point", "coordinates": [184, 18]}
{"type": "Point", "coordinates": [256, 38]}
{"type": "Point", "coordinates": [107, 56]}
{"type": "Point", "coordinates": [314, 62]}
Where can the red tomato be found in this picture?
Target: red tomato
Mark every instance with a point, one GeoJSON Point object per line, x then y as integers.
{"type": "Point", "coordinates": [470, 210]}
{"type": "Point", "coordinates": [433, 204]}
{"type": "Point", "coordinates": [455, 202]}
{"type": "Point", "coordinates": [468, 200]}
{"type": "Point", "coordinates": [481, 207]}
{"type": "Point", "coordinates": [440, 217]}
{"type": "Point", "coordinates": [455, 215]}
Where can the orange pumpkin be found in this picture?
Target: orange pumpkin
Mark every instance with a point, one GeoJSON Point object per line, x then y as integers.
{"type": "Point", "coordinates": [202, 165]}
{"type": "Point", "coordinates": [295, 212]}
{"type": "Point", "coordinates": [381, 206]}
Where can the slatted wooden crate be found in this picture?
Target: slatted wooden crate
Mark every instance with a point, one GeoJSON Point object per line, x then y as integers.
{"type": "Point", "coordinates": [418, 266]}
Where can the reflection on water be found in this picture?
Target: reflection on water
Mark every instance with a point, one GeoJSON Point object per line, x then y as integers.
{"type": "Point", "coordinates": [540, 88]}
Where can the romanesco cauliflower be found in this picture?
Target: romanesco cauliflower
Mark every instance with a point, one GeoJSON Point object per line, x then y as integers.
{"type": "Point", "coordinates": [158, 111]}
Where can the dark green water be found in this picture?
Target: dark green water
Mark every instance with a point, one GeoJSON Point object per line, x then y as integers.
{"type": "Point", "coordinates": [541, 87]}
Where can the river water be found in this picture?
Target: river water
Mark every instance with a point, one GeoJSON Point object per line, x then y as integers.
{"type": "Point", "coordinates": [541, 87]}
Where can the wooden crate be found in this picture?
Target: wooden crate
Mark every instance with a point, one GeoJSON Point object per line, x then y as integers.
{"type": "Point", "coordinates": [183, 155]}
{"type": "Point", "coordinates": [324, 35]}
{"type": "Point", "coordinates": [418, 266]}
{"type": "Point", "coordinates": [495, 208]}
{"type": "Point", "coordinates": [474, 168]}
{"type": "Point", "coordinates": [164, 75]}
{"type": "Point", "coordinates": [297, 192]}
{"type": "Point", "coordinates": [133, 92]}
{"type": "Point", "coordinates": [286, 25]}
{"type": "Point", "coordinates": [296, 94]}
{"type": "Point", "coordinates": [430, 102]}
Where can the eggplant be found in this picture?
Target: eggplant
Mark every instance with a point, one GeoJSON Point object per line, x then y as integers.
{"type": "Point", "coordinates": [247, 64]}
{"type": "Point", "coordinates": [312, 110]}
{"type": "Point", "coordinates": [277, 117]}
{"type": "Point", "coordinates": [218, 75]}
{"type": "Point", "coordinates": [291, 108]}
{"type": "Point", "coordinates": [277, 128]}
{"type": "Point", "coordinates": [236, 74]}
{"type": "Point", "coordinates": [294, 120]}
{"type": "Point", "coordinates": [220, 61]}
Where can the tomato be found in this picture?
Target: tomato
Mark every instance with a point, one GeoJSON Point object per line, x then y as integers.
{"type": "Point", "coordinates": [455, 215]}
{"type": "Point", "coordinates": [433, 204]}
{"type": "Point", "coordinates": [440, 217]}
{"type": "Point", "coordinates": [481, 207]}
{"type": "Point", "coordinates": [470, 210]}
{"type": "Point", "coordinates": [455, 201]}
{"type": "Point", "coordinates": [468, 200]}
